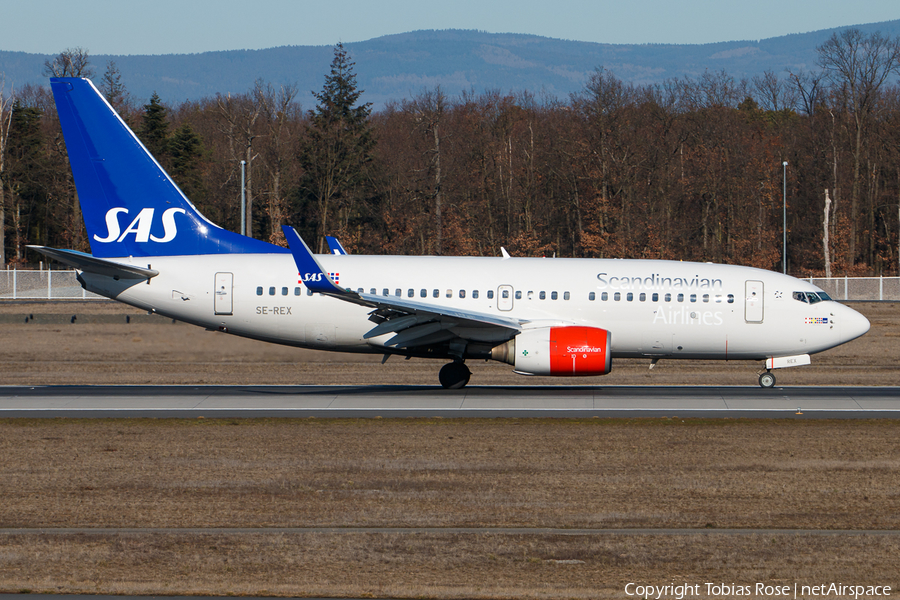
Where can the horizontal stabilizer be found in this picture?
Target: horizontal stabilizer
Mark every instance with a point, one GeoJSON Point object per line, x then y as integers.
{"type": "Point", "coordinates": [99, 266]}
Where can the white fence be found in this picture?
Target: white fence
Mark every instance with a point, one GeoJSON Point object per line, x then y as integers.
{"type": "Point", "coordinates": [42, 285]}
{"type": "Point", "coordinates": [62, 285]}
{"type": "Point", "coordinates": [861, 289]}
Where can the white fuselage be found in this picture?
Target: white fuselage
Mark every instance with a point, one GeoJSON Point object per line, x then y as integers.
{"type": "Point", "coordinates": [658, 309]}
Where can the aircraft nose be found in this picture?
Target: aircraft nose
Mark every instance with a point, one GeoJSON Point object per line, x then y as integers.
{"type": "Point", "coordinates": [852, 324]}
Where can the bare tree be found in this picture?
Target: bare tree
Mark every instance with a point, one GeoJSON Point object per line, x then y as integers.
{"type": "Point", "coordinates": [71, 62]}
{"type": "Point", "coordinates": [427, 111]}
{"type": "Point", "coordinates": [809, 91]}
{"type": "Point", "coordinates": [773, 93]}
{"type": "Point", "coordinates": [5, 122]}
{"type": "Point", "coordinates": [239, 115]}
{"type": "Point", "coordinates": [859, 65]}
{"type": "Point", "coordinates": [279, 112]}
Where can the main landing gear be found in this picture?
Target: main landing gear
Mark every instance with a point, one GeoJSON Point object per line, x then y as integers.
{"type": "Point", "coordinates": [767, 380]}
{"type": "Point", "coordinates": [455, 375]}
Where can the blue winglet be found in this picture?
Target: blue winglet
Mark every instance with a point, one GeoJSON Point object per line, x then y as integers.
{"type": "Point", "coordinates": [308, 268]}
{"type": "Point", "coordinates": [334, 245]}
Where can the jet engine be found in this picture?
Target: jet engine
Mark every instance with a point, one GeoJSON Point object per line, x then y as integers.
{"type": "Point", "coordinates": [560, 351]}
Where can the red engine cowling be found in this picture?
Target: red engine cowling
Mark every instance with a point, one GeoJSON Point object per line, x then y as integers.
{"type": "Point", "coordinates": [560, 351]}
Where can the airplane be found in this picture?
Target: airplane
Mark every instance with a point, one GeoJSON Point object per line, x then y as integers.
{"type": "Point", "coordinates": [152, 249]}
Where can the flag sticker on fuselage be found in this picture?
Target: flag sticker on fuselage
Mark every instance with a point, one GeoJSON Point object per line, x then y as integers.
{"type": "Point", "coordinates": [816, 320]}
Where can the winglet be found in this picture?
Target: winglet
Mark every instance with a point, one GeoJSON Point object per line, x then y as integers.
{"type": "Point", "coordinates": [310, 271]}
{"type": "Point", "coordinates": [334, 245]}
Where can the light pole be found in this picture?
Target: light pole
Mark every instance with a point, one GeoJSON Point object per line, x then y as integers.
{"type": "Point", "coordinates": [784, 222]}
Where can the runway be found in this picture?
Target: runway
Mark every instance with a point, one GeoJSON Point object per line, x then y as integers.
{"type": "Point", "coordinates": [433, 401]}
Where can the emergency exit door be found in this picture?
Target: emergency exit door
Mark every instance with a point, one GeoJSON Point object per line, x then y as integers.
{"type": "Point", "coordinates": [224, 286]}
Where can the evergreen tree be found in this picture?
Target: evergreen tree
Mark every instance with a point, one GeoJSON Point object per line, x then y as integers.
{"type": "Point", "coordinates": [337, 151]}
{"type": "Point", "coordinates": [185, 149]}
{"type": "Point", "coordinates": [26, 178]}
{"type": "Point", "coordinates": [154, 131]}
{"type": "Point", "coordinates": [112, 87]}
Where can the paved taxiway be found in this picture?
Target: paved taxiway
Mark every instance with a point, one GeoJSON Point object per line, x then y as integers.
{"type": "Point", "coordinates": [433, 401]}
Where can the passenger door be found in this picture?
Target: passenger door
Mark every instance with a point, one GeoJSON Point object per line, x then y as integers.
{"type": "Point", "coordinates": [753, 301]}
{"type": "Point", "coordinates": [224, 286]}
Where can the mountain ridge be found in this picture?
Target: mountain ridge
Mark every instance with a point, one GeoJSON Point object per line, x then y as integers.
{"type": "Point", "coordinates": [398, 66]}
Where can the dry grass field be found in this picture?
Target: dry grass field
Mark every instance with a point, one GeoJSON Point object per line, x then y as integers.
{"type": "Point", "coordinates": [713, 476]}
{"type": "Point", "coordinates": [50, 350]}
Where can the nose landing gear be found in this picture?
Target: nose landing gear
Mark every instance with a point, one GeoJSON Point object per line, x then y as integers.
{"type": "Point", "coordinates": [767, 380]}
{"type": "Point", "coordinates": [455, 375]}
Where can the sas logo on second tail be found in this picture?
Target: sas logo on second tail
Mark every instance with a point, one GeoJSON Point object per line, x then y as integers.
{"type": "Point", "coordinates": [316, 277]}
{"type": "Point", "coordinates": [140, 226]}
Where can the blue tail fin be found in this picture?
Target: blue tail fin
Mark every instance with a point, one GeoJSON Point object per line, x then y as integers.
{"type": "Point", "coordinates": [131, 206]}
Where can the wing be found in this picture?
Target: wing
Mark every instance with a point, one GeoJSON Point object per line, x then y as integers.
{"type": "Point", "coordinates": [406, 324]}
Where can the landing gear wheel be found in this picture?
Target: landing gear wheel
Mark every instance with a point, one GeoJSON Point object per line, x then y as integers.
{"type": "Point", "coordinates": [767, 380]}
{"type": "Point", "coordinates": [454, 376]}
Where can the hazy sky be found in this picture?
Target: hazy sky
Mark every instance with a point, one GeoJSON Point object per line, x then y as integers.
{"type": "Point", "coordinates": [184, 26]}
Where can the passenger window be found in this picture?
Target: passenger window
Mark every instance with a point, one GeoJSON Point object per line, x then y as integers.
{"type": "Point", "coordinates": [706, 297]}
{"type": "Point", "coordinates": [284, 291]}
{"type": "Point", "coordinates": [436, 293]}
{"type": "Point", "coordinates": [730, 298]}
{"type": "Point", "coordinates": [553, 295]}
{"type": "Point", "coordinates": [604, 296]}
{"type": "Point", "coordinates": [718, 298]}
{"type": "Point", "coordinates": [642, 297]}
{"type": "Point", "coordinates": [592, 296]}
{"type": "Point", "coordinates": [629, 296]}
{"type": "Point", "coordinates": [542, 295]}
{"type": "Point", "coordinates": [410, 293]}
{"type": "Point", "coordinates": [565, 295]}
{"type": "Point", "coordinates": [475, 294]}
{"type": "Point", "coordinates": [385, 292]}
{"type": "Point", "coordinates": [668, 297]}
{"type": "Point", "coordinates": [272, 291]}
{"type": "Point", "coordinates": [617, 296]}
{"type": "Point", "coordinates": [449, 293]}
{"type": "Point", "coordinates": [359, 290]}
{"type": "Point", "coordinates": [296, 291]}
{"type": "Point", "coordinates": [490, 294]}
{"type": "Point", "coordinates": [372, 291]}
{"type": "Point", "coordinates": [423, 293]}
{"type": "Point", "coordinates": [681, 297]}
{"type": "Point", "coordinates": [693, 297]}
{"type": "Point", "coordinates": [462, 293]}
{"type": "Point", "coordinates": [518, 295]}
{"type": "Point", "coordinates": [398, 292]}
{"type": "Point", "coordinates": [259, 291]}
{"type": "Point", "coordinates": [655, 297]}
{"type": "Point", "coordinates": [308, 292]}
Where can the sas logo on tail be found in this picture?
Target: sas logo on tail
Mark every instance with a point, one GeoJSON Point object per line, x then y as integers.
{"type": "Point", "coordinates": [140, 226]}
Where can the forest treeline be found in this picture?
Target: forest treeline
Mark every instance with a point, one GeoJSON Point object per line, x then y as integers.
{"type": "Point", "coordinates": [690, 169]}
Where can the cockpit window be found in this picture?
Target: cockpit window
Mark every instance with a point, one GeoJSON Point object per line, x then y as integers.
{"type": "Point", "coordinates": [811, 297]}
